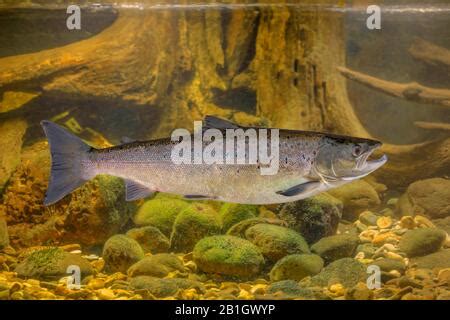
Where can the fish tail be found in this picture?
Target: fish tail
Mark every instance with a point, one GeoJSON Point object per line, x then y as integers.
{"type": "Point", "coordinates": [67, 172]}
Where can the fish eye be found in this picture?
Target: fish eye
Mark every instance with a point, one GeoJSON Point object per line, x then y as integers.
{"type": "Point", "coordinates": [357, 150]}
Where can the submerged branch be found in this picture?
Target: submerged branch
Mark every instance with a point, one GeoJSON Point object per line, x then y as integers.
{"type": "Point", "coordinates": [430, 53]}
{"type": "Point", "coordinates": [433, 125]}
{"type": "Point", "coordinates": [409, 91]}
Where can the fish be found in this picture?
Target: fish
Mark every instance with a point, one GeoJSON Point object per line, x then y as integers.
{"type": "Point", "coordinates": [309, 163]}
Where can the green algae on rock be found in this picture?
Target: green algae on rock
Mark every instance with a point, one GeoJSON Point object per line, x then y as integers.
{"type": "Point", "coordinates": [346, 271]}
{"type": "Point", "coordinates": [120, 252]}
{"type": "Point", "coordinates": [192, 224]}
{"type": "Point", "coordinates": [229, 256]}
{"type": "Point", "coordinates": [150, 238]}
{"type": "Point", "coordinates": [238, 230]}
{"type": "Point", "coordinates": [158, 265]}
{"type": "Point", "coordinates": [232, 213]}
{"type": "Point", "coordinates": [160, 288]}
{"type": "Point", "coordinates": [51, 264]}
{"type": "Point", "coordinates": [335, 247]}
{"type": "Point", "coordinates": [296, 267]}
{"type": "Point", "coordinates": [420, 242]}
{"type": "Point", "coordinates": [160, 213]}
{"type": "Point", "coordinates": [314, 218]}
{"type": "Point", "coordinates": [275, 242]}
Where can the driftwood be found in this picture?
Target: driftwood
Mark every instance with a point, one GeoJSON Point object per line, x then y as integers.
{"type": "Point", "coordinates": [432, 125]}
{"type": "Point", "coordinates": [409, 91]}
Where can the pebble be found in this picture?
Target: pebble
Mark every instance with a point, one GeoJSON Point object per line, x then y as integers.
{"type": "Point", "coordinates": [384, 222]}
{"type": "Point", "coordinates": [407, 222]}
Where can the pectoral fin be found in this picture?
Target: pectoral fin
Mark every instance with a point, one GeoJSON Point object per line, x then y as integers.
{"type": "Point", "coordinates": [300, 188]}
{"type": "Point", "coordinates": [135, 191]}
{"type": "Point", "coordinates": [218, 123]}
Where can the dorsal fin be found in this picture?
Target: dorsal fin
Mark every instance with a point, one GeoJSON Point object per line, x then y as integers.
{"type": "Point", "coordinates": [217, 123]}
{"type": "Point", "coordinates": [135, 191]}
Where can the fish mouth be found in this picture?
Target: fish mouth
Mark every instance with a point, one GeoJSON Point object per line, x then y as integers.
{"type": "Point", "coordinates": [364, 166]}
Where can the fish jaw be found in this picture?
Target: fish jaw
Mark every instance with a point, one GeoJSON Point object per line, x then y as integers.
{"type": "Point", "coordinates": [366, 168]}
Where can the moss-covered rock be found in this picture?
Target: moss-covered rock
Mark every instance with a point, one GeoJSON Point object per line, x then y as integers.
{"type": "Point", "coordinates": [367, 248]}
{"type": "Point", "coordinates": [52, 264]}
{"type": "Point", "coordinates": [229, 256]}
{"type": "Point", "coordinates": [296, 267]}
{"type": "Point", "coordinates": [158, 265]}
{"type": "Point", "coordinates": [160, 213]}
{"type": "Point", "coordinates": [238, 230]}
{"type": "Point", "coordinates": [420, 242]}
{"type": "Point", "coordinates": [314, 218]}
{"type": "Point", "coordinates": [120, 252]}
{"type": "Point", "coordinates": [4, 237]}
{"type": "Point", "coordinates": [335, 247]}
{"type": "Point", "coordinates": [192, 224]}
{"type": "Point", "coordinates": [275, 242]}
{"type": "Point", "coordinates": [356, 196]}
{"type": "Point", "coordinates": [346, 271]}
{"type": "Point", "coordinates": [232, 213]}
{"type": "Point", "coordinates": [150, 238]}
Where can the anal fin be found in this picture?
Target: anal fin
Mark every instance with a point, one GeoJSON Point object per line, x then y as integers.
{"type": "Point", "coordinates": [300, 188]}
{"type": "Point", "coordinates": [135, 190]}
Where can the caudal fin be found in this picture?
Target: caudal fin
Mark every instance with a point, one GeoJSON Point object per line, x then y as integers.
{"type": "Point", "coordinates": [66, 151]}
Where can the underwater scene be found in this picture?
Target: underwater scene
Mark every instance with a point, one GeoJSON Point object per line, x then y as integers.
{"type": "Point", "coordinates": [343, 111]}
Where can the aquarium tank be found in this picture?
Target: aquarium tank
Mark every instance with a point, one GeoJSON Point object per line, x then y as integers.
{"type": "Point", "coordinates": [354, 97]}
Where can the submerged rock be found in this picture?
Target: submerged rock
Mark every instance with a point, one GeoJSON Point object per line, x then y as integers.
{"type": "Point", "coordinates": [192, 224]}
{"type": "Point", "coordinates": [296, 267]}
{"type": "Point", "coordinates": [346, 271]}
{"type": "Point", "coordinates": [4, 237]}
{"type": "Point", "coordinates": [314, 218]}
{"type": "Point", "coordinates": [290, 288]}
{"type": "Point", "coordinates": [420, 242]}
{"type": "Point", "coordinates": [120, 252]}
{"type": "Point", "coordinates": [232, 213]}
{"type": "Point", "coordinates": [51, 264]}
{"type": "Point", "coordinates": [276, 242]}
{"type": "Point", "coordinates": [356, 196]}
{"type": "Point", "coordinates": [228, 255]}
{"type": "Point", "coordinates": [160, 288]}
{"type": "Point", "coordinates": [158, 265]}
{"type": "Point", "coordinates": [336, 247]}
{"type": "Point", "coordinates": [428, 197]}
{"type": "Point", "coordinates": [240, 228]}
{"type": "Point", "coordinates": [150, 238]}
{"type": "Point", "coordinates": [437, 260]}
{"type": "Point", "coordinates": [160, 213]}
{"type": "Point", "coordinates": [387, 265]}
